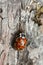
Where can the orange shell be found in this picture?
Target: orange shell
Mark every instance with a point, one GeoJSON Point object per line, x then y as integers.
{"type": "Point", "coordinates": [20, 43]}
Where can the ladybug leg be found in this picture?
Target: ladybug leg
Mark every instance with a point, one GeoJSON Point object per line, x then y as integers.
{"type": "Point", "coordinates": [12, 34]}
{"type": "Point", "coordinates": [18, 55]}
{"type": "Point", "coordinates": [28, 44]}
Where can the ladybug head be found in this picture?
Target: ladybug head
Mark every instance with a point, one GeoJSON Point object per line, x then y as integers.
{"type": "Point", "coordinates": [22, 35]}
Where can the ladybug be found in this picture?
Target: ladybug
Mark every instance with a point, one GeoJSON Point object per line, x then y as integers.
{"type": "Point", "coordinates": [20, 41]}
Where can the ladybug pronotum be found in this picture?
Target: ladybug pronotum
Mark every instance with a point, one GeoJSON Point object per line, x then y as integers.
{"type": "Point", "coordinates": [20, 42]}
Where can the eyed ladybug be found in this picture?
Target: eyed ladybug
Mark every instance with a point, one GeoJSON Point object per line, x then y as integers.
{"type": "Point", "coordinates": [20, 41]}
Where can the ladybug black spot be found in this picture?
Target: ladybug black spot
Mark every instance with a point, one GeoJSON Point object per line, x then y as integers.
{"type": "Point", "coordinates": [1, 10]}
